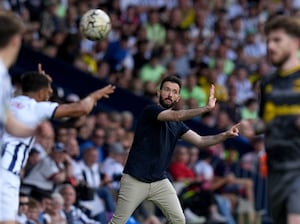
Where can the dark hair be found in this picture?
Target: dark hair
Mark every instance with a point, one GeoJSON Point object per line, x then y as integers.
{"type": "Point", "coordinates": [10, 25]}
{"type": "Point", "coordinates": [33, 81]}
{"type": "Point", "coordinates": [173, 78]}
{"type": "Point", "coordinates": [289, 24]}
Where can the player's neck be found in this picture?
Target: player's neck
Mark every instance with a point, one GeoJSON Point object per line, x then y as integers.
{"type": "Point", "coordinates": [5, 60]}
{"type": "Point", "coordinates": [32, 95]}
{"type": "Point", "coordinates": [290, 64]}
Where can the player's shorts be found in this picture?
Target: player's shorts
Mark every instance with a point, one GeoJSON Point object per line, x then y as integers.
{"type": "Point", "coordinates": [9, 195]}
{"type": "Point", "coordinates": [284, 194]}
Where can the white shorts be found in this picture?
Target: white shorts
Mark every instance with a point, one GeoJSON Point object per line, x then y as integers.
{"type": "Point", "coordinates": [9, 195]}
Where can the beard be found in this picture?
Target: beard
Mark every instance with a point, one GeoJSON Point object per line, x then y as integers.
{"type": "Point", "coordinates": [279, 61]}
{"type": "Point", "coordinates": [165, 104]}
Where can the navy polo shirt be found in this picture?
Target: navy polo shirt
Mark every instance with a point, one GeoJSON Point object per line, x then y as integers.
{"type": "Point", "coordinates": [153, 145]}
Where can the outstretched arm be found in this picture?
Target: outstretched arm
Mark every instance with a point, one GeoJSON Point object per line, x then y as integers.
{"type": "Point", "coordinates": [205, 141]}
{"type": "Point", "coordinates": [182, 115]}
{"type": "Point", "coordinates": [85, 105]}
{"type": "Point", "coordinates": [82, 107]}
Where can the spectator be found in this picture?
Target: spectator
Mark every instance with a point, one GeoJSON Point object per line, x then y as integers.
{"type": "Point", "coordinates": [45, 138]}
{"type": "Point", "coordinates": [235, 185]}
{"type": "Point", "coordinates": [72, 149]}
{"type": "Point", "coordinates": [93, 180]}
{"type": "Point", "coordinates": [53, 214]}
{"type": "Point", "coordinates": [250, 109]}
{"type": "Point", "coordinates": [152, 71]}
{"type": "Point", "coordinates": [180, 59]}
{"type": "Point", "coordinates": [182, 173]}
{"type": "Point", "coordinates": [156, 33]}
{"type": "Point", "coordinates": [34, 158]}
{"type": "Point", "coordinates": [116, 53]}
{"type": "Point", "coordinates": [97, 140]}
{"type": "Point", "coordinates": [242, 85]}
{"type": "Point", "coordinates": [113, 165]}
{"type": "Point", "coordinates": [33, 212]}
{"type": "Point", "coordinates": [142, 54]}
{"type": "Point", "coordinates": [204, 169]}
{"type": "Point", "coordinates": [23, 209]}
{"type": "Point", "coordinates": [50, 22]}
{"type": "Point", "coordinates": [127, 121]}
{"type": "Point", "coordinates": [53, 169]}
{"type": "Point", "coordinates": [192, 90]}
{"type": "Point", "coordinates": [61, 134]}
{"type": "Point", "coordinates": [231, 107]}
{"type": "Point", "coordinates": [254, 161]}
{"type": "Point", "coordinates": [73, 214]}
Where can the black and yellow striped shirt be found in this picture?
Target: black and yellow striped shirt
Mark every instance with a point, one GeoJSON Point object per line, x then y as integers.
{"type": "Point", "coordinates": [279, 108]}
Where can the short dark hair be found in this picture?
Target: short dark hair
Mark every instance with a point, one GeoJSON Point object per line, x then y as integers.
{"type": "Point", "coordinates": [172, 78]}
{"type": "Point", "coordinates": [289, 24]}
{"type": "Point", "coordinates": [33, 81]}
{"type": "Point", "coordinates": [10, 25]}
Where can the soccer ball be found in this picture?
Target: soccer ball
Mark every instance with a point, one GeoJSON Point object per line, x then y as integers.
{"type": "Point", "coordinates": [95, 24]}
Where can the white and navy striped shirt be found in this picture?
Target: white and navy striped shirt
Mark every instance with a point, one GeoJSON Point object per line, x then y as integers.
{"type": "Point", "coordinates": [15, 150]}
{"type": "Point", "coordinates": [77, 216]}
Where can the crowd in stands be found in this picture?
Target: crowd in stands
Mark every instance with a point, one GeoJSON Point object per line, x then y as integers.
{"type": "Point", "coordinates": [73, 171]}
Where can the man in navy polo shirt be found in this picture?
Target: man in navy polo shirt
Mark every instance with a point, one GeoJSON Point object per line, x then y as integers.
{"type": "Point", "coordinates": [158, 129]}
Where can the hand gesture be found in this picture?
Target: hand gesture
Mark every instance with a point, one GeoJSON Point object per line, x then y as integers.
{"type": "Point", "coordinates": [212, 99]}
{"type": "Point", "coordinates": [42, 72]}
{"type": "Point", "coordinates": [106, 91]}
{"type": "Point", "coordinates": [233, 131]}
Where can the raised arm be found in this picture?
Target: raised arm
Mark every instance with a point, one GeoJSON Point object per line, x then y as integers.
{"type": "Point", "coordinates": [205, 141]}
{"type": "Point", "coordinates": [85, 105]}
{"type": "Point", "coordinates": [182, 115]}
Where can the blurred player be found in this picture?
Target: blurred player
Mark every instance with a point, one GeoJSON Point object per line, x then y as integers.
{"type": "Point", "coordinates": [280, 114]}
{"type": "Point", "coordinates": [31, 108]}
{"type": "Point", "coordinates": [11, 28]}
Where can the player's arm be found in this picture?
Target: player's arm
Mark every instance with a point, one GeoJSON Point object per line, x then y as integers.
{"type": "Point", "coordinates": [15, 128]}
{"type": "Point", "coordinates": [205, 141]}
{"type": "Point", "coordinates": [182, 115]}
{"type": "Point", "coordinates": [85, 105]}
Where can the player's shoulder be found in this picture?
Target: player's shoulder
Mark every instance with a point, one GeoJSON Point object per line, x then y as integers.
{"type": "Point", "coordinates": [153, 106]}
{"type": "Point", "coordinates": [21, 101]}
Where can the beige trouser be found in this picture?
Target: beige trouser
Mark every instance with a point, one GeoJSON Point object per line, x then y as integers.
{"type": "Point", "coordinates": [161, 193]}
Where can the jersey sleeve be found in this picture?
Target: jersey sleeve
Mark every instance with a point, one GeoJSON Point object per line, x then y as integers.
{"type": "Point", "coordinates": [46, 110]}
